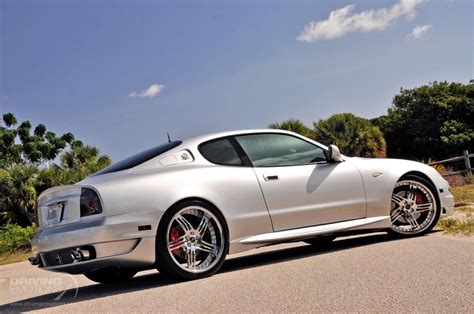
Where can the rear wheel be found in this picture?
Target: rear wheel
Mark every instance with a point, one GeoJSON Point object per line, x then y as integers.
{"type": "Point", "coordinates": [111, 275]}
{"type": "Point", "coordinates": [415, 209]}
{"type": "Point", "coordinates": [192, 241]}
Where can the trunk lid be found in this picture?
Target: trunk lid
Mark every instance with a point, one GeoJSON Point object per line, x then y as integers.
{"type": "Point", "coordinates": [59, 205]}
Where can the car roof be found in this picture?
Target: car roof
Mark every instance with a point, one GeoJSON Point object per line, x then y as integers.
{"type": "Point", "coordinates": [207, 137]}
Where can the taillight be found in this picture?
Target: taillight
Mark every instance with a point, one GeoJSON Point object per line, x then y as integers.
{"type": "Point", "coordinates": [90, 203]}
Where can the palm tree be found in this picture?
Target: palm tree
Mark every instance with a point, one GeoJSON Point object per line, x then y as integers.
{"type": "Point", "coordinates": [355, 136]}
{"type": "Point", "coordinates": [18, 194]}
{"type": "Point", "coordinates": [293, 125]}
{"type": "Point", "coordinates": [83, 160]}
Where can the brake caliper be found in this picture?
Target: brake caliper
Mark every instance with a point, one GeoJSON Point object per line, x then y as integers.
{"type": "Point", "coordinates": [174, 235]}
{"type": "Point", "coordinates": [420, 198]}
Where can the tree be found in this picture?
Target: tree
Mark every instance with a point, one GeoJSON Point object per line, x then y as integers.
{"type": "Point", "coordinates": [18, 194]}
{"type": "Point", "coordinates": [22, 176]}
{"type": "Point", "coordinates": [18, 145]}
{"type": "Point", "coordinates": [433, 121]}
{"type": "Point", "coordinates": [354, 136]}
{"type": "Point", "coordinates": [83, 160]}
{"type": "Point", "coordinates": [76, 164]}
{"type": "Point", "coordinates": [293, 125]}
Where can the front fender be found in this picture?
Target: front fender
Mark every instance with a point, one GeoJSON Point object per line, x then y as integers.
{"type": "Point", "coordinates": [381, 175]}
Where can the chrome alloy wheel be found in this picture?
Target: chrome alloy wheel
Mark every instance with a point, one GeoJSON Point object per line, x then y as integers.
{"type": "Point", "coordinates": [195, 239]}
{"type": "Point", "coordinates": [413, 208]}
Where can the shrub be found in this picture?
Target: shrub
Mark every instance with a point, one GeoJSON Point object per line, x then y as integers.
{"type": "Point", "coordinates": [14, 237]}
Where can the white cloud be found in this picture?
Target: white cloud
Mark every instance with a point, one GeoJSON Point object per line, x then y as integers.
{"type": "Point", "coordinates": [151, 91]}
{"type": "Point", "coordinates": [419, 31]}
{"type": "Point", "coordinates": [343, 21]}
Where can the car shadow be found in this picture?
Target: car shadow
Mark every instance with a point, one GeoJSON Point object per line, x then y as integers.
{"type": "Point", "coordinates": [156, 280]}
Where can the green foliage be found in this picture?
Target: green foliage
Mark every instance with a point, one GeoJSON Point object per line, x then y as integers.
{"type": "Point", "coordinates": [293, 125]}
{"type": "Point", "coordinates": [19, 145]}
{"type": "Point", "coordinates": [355, 136]}
{"type": "Point", "coordinates": [434, 121]}
{"type": "Point", "coordinates": [14, 238]}
{"type": "Point", "coordinates": [18, 194]}
{"type": "Point", "coordinates": [20, 185]}
{"type": "Point", "coordinates": [22, 175]}
{"type": "Point", "coordinates": [9, 119]}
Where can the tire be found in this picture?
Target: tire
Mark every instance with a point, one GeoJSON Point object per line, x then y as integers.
{"type": "Point", "coordinates": [192, 241]}
{"type": "Point", "coordinates": [415, 207]}
{"type": "Point", "coordinates": [321, 240]}
{"type": "Point", "coordinates": [111, 275]}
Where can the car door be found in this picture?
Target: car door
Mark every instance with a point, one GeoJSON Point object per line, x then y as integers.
{"type": "Point", "coordinates": [299, 186]}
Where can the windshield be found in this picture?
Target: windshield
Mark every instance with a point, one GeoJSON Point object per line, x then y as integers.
{"type": "Point", "coordinates": [139, 158]}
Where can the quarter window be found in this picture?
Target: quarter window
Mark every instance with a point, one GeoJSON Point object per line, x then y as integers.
{"type": "Point", "coordinates": [266, 150]}
{"type": "Point", "coordinates": [220, 152]}
{"type": "Point", "coordinates": [139, 158]}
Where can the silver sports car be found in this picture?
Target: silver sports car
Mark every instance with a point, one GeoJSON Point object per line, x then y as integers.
{"type": "Point", "coordinates": [183, 206]}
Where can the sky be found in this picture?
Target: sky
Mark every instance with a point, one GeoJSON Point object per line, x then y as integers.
{"type": "Point", "coordinates": [119, 75]}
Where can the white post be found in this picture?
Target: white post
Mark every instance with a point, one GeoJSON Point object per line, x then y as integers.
{"type": "Point", "coordinates": [467, 163]}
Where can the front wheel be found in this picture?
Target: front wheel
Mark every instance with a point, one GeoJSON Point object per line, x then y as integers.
{"type": "Point", "coordinates": [192, 241]}
{"type": "Point", "coordinates": [415, 210]}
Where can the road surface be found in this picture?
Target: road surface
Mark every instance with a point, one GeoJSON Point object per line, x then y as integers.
{"type": "Point", "coordinates": [365, 273]}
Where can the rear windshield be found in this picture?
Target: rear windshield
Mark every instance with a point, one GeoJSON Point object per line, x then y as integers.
{"type": "Point", "coordinates": [139, 158]}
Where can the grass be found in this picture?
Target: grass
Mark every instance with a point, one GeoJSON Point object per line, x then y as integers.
{"type": "Point", "coordinates": [462, 223]}
{"type": "Point", "coordinates": [15, 257]}
{"type": "Point", "coordinates": [463, 194]}
{"type": "Point", "coordinates": [458, 226]}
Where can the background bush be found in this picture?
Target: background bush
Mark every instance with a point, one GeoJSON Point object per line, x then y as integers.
{"type": "Point", "coordinates": [15, 238]}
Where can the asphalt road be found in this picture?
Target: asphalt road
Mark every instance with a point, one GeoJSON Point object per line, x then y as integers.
{"type": "Point", "coordinates": [368, 273]}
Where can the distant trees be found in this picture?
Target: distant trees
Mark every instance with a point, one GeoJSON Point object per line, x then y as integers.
{"type": "Point", "coordinates": [293, 125]}
{"type": "Point", "coordinates": [355, 136]}
{"type": "Point", "coordinates": [433, 121]}
{"type": "Point", "coordinates": [82, 160]}
{"type": "Point", "coordinates": [27, 166]}
{"type": "Point", "coordinates": [18, 145]}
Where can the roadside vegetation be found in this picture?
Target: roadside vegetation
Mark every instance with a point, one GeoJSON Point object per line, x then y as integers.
{"type": "Point", "coordinates": [15, 243]}
{"type": "Point", "coordinates": [32, 160]}
{"type": "Point", "coordinates": [427, 123]}
{"type": "Point", "coordinates": [462, 222]}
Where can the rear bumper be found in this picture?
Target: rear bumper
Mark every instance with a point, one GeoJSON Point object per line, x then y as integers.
{"type": "Point", "coordinates": [124, 240]}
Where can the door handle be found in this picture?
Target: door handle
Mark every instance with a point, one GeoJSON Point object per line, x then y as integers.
{"type": "Point", "coordinates": [270, 177]}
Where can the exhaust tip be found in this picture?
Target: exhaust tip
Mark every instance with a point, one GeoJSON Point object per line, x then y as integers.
{"type": "Point", "coordinates": [35, 261]}
{"type": "Point", "coordinates": [80, 255]}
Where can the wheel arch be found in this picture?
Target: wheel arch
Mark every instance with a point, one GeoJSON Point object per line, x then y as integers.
{"type": "Point", "coordinates": [418, 174]}
{"type": "Point", "coordinates": [425, 177]}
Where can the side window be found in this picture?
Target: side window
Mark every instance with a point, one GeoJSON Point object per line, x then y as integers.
{"type": "Point", "coordinates": [265, 150]}
{"type": "Point", "coordinates": [220, 152]}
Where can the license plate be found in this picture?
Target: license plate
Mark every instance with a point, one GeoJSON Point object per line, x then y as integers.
{"type": "Point", "coordinates": [54, 214]}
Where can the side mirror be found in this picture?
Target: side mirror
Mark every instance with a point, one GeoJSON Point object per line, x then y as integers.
{"type": "Point", "coordinates": [334, 154]}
